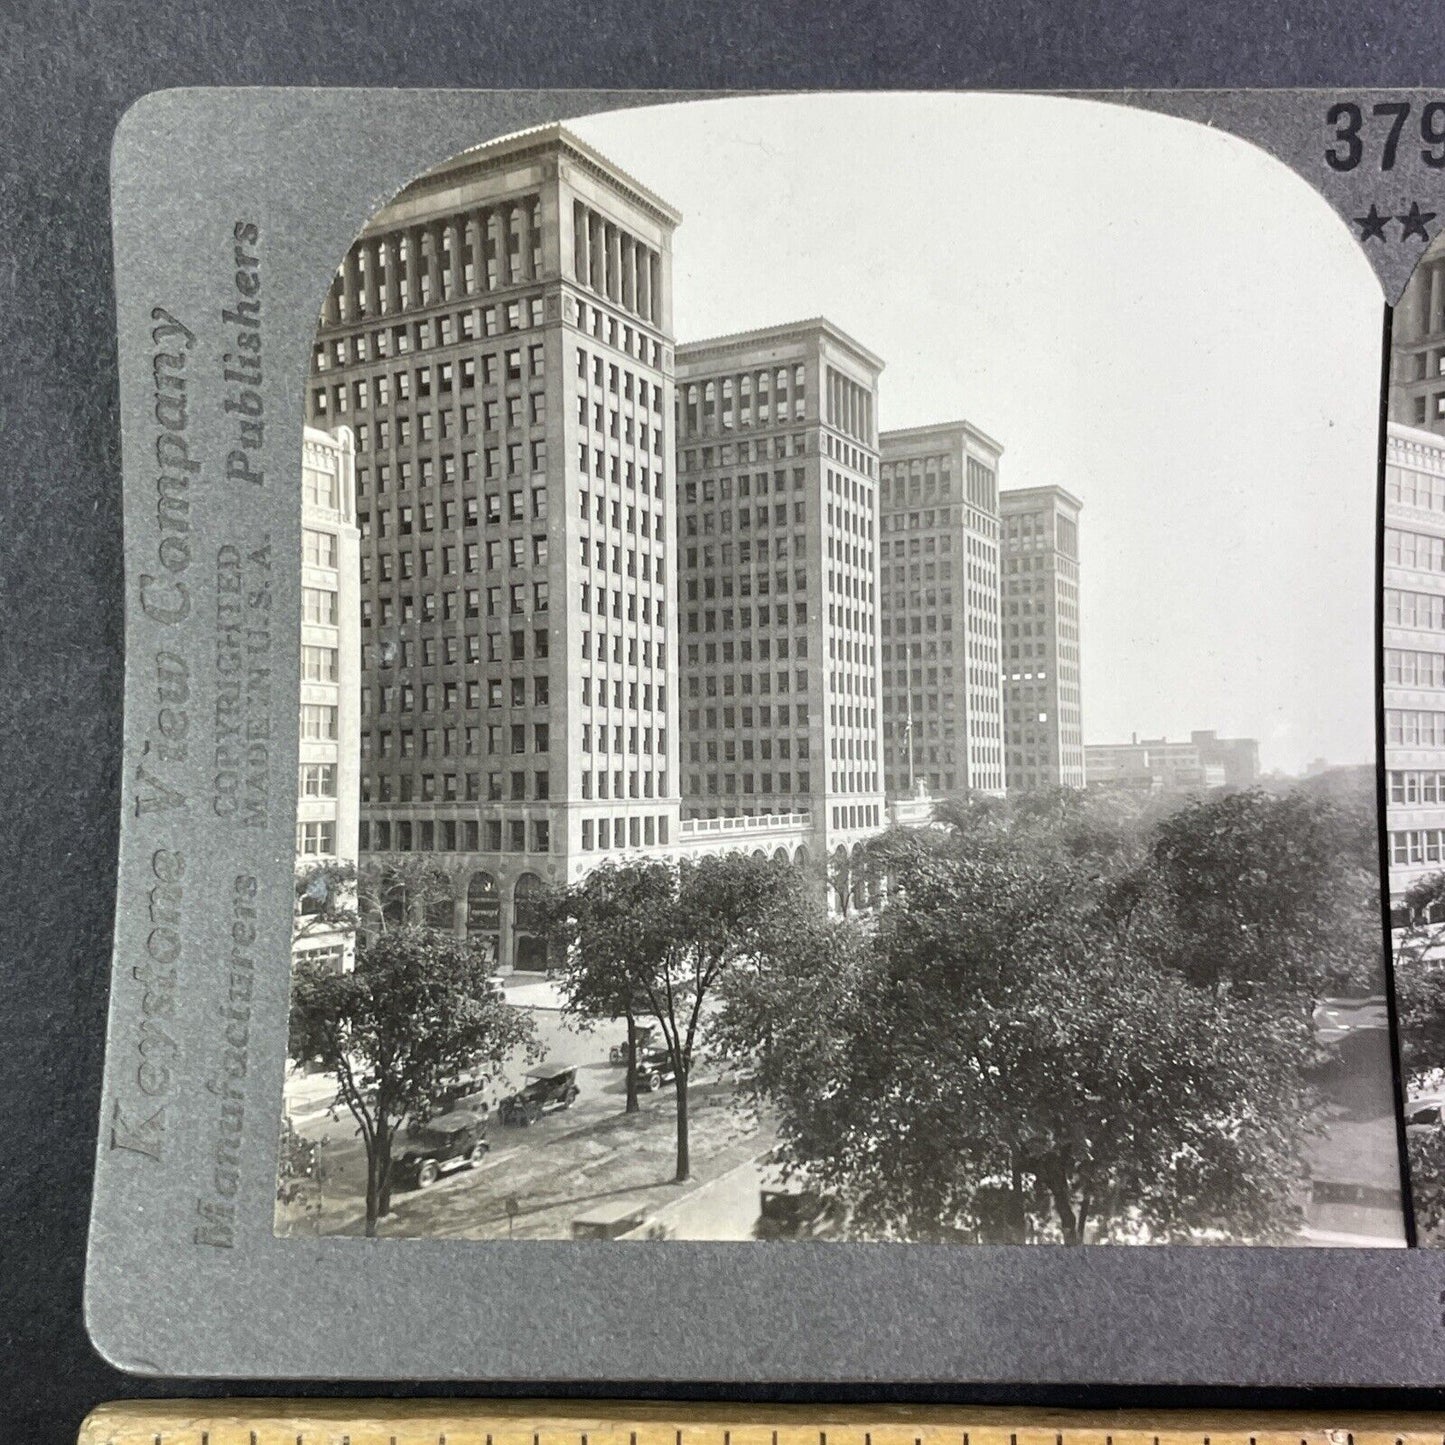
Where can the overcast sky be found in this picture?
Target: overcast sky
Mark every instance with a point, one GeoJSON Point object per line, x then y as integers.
{"type": "Point", "coordinates": [1154, 315]}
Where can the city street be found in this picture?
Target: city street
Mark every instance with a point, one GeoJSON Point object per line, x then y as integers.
{"type": "Point", "coordinates": [1355, 1196]}
{"type": "Point", "coordinates": [536, 1180]}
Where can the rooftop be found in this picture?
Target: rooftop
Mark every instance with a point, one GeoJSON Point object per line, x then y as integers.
{"type": "Point", "coordinates": [901, 436]}
{"type": "Point", "coordinates": [785, 331]}
{"type": "Point", "coordinates": [482, 157]}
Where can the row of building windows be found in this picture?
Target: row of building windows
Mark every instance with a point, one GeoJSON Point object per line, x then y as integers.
{"type": "Point", "coordinates": [456, 835]}
{"type": "Point", "coordinates": [1417, 787]}
{"type": "Point", "coordinates": [450, 649]}
{"type": "Point", "coordinates": [519, 314]}
{"type": "Point", "coordinates": [1418, 551]}
{"type": "Point", "coordinates": [714, 785]}
{"type": "Point", "coordinates": [499, 738]}
{"type": "Point", "coordinates": [744, 452]}
{"type": "Point", "coordinates": [1418, 845]}
{"type": "Point", "coordinates": [409, 518]}
{"type": "Point", "coordinates": [518, 785]}
{"type": "Point", "coordinates": [1422, 610]}
{"type": "Point", "coordinates": [1414, 669]}
{"type": "Point", "coordinates": [770, 397]}
{"type": "Point", "coordinates": [1414, 728]}
{"type": "Point", "coordinates": [1410, 488]}
{"type": "Point", "coordinates": [435, 379]}
{"type": "Point", "coordinates": [730, 749]}
{"type": "Point", "coordinates": [604, 833]}
{"type": "Point", "coordinates": [639, 783]}
{"type": "Point", "coordinates": [473, 602]}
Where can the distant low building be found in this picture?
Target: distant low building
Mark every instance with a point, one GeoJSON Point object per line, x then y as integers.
{"type": "Point", "coordinates": [1239, 757]}
{"type": "Point", "coordinates": [1152, 765]}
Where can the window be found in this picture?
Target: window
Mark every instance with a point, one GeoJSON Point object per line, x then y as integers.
{"type": "Point", "coordinates": [318, 780]}
{"type": "Point", "coordinates": [318, 605]}
{"type": "Point", "coordinates": [316, 838]}
{"type": "Point", "coordinates": [318, 722]}
{"type": "Point", "coordinates": [319, 664]}
{"type": "Point", "coordinates": [318, 548]}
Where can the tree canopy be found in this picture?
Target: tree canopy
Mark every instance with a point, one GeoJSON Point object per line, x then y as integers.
{"type": "Point", "coordinates": [414, 1013]}
{"type": "Point", "coordinates": [1078, 1017]}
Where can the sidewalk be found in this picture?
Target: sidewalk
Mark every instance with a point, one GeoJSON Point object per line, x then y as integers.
{"type": "Point", "coordinates": [725, 1208]}
{"type": "Point", "coordinates": [532, 990]}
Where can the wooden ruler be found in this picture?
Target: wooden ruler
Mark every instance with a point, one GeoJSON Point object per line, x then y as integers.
{"type": "Point", "coordinates": [482, 1422]}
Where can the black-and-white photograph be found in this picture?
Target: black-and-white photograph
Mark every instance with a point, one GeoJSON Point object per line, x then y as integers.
{"type": "Point", "coordinates": [838, 693]}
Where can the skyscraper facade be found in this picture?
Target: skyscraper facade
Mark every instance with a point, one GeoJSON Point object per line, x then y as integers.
{"type": "Point", "coordinates": [1414, 583]}
{"type": "Point", "coordinates": [330, 719]}
{"type": "Point", "coordinates": [1043, 727]}
{"type": "Point", "coordinates": [778, 555]}
{"type": "Point", "coordinates": [939, 584]}
{"type": "Point", "coordinates": [499, 338]}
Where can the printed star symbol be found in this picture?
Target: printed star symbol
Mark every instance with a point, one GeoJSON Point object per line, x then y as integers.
{"type": "Point", "coordinates": [1372, 226]}
{"type": "Point", "coordinates": [1414, 221]}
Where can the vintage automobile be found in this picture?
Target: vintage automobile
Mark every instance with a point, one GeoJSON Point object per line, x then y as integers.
{"type": "Point", "coordinates": [644, 1034]}
{"type": "Point", "coordinates": [654, 1069]}
{"type": "Point", "coordinates": [797, 1214]}
{"type": "Point", "coordinates": [548, 1089]}
{"type": "Point", "coordinates": [610, 1221]}
{"type": "Point", "coordinates": [457, 1140]}
{"type": "Point", "coordinates": [1425, 1114]}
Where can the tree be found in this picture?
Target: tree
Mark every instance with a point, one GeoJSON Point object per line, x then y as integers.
{"type": "Point", "coordinates": [603, 929]}
{"type": "Point", "coordinates": [1420, 979]}
{"type": "Point", "coordinates": [1274, 894]}
{"type": "Point", "coordinates": [325, 898]}
{"type": "Point", "coordinates": [1427, 1185]}
{"type": "Point", "coordinates": [665, 935]}
{"type": "Point", "coordinates": [413, 1013]}
{"type": "Point", "coordinates": [405, 890]}
{"type": "Point", "coordinates": [1004, 1056]}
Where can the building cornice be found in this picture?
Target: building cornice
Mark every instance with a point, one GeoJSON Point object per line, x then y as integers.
{"type": "Point", "coordinates": [742, 341]}
{"type": "Point", "coordinates": [907, 436]}
{"type": "Point", "coordinates": [549, 140]}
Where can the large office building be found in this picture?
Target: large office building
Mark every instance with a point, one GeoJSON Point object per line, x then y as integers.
{"type": "Point", "coordinates": [778, 531]}
{"type": "Point", "coordinates": [499, 339]}
{"type": "Point", "coordinates": [939, 584]}
{"type": "Point", "coordinates": [330, 720]}
{"type": "Point", "coordinates": [1414, 581]}
{"type": "Point", "coordinates": [1151, 765]}
{"type": "Point", "coordinates": [1039, 630]}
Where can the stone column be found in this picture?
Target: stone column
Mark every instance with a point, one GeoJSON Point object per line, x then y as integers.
{"type": "Point", "coordinates": [351, 285]}
{"type": "Point", "coordinates": [629, 273]}
{"type": "Point", "coordinates": [413, 266]}
{"type": "Point", "coordinates": [479, 251]}
{"type": "Point", "coordinates": [373, 278]}
{"type": "Point", "coordinates": [595, 257]}
{"type": "Point", "coordinates": [331, 307]}
{"type": "Point", "coordinates": [644, 282]}
{"type": "Point", "coordinates": [525, 270]}
{"type": "Point", "coordinates": [614, 263]}
{"type": "Point", "coordinates": [393, 275]}
{"type": "Point", "coordinates": [1433, 318]}
{"type": "Point", "coordinates": [579, 241]}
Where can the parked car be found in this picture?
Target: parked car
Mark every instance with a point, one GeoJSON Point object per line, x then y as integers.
{"type": "Point", "coordinates": [465, 1091]}
{"type": "Point", "coordinates": [610, 1221]}
{"type": "Point", "coordinates": [644, 1034]}
{"type": "Point", "coordinates": [456, 1140]}
{"type": "Point", "coordinates": [548, 1089]}
{"type": "Point", "coordinates": [654, 1069]}
{"type": "Point", "coordinates": [797, 1214]}
{"type": "Point", "coordinates": [1424, 1115]}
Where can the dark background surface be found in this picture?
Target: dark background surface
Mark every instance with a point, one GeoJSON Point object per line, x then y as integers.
{"type": "Point", "coordinates": [67, 71]}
